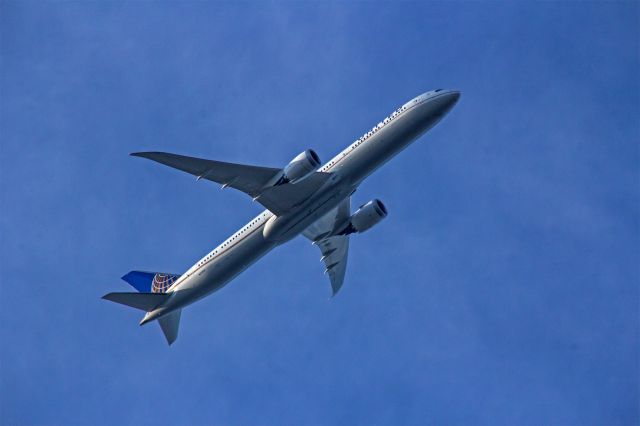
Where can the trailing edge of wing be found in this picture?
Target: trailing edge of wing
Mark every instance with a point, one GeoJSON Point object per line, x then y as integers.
{"type": "Point", "coordinates": [334, 249]}
{"type": "Point", "coordinates": [252, 180]}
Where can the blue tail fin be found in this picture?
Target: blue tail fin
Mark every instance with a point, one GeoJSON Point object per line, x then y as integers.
{"type": "Point", "coordinates": [150, 282]}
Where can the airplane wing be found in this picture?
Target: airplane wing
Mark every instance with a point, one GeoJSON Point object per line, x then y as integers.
{"type": "Point", "coordinates": [335, 249]}
{"type": "Point", "coordinates": [252, 180]}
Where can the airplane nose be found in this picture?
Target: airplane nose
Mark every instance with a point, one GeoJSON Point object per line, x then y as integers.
{"type": "Point", "coordinates": [446, 101]}
{"type": "Point", "coordinates": [451, 98]}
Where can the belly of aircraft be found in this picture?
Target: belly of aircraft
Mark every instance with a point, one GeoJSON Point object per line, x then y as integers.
{"type": "Point", "coordinates": [283, 228]}
{"type": "Point", "coordinates": [218, 272]}
{"type": "Point", "coordinates": [280, 229]}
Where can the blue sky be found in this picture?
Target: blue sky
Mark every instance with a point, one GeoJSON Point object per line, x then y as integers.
{"type": "Point", "coordinates": [501, 290]}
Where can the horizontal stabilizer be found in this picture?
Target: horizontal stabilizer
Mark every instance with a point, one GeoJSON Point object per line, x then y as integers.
{"type": "Point", "coordinates": [170, 324]}
{"type": "Point", "coordinates": [144, 301]}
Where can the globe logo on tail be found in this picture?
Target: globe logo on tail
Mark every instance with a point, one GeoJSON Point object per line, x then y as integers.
{"type": "Point", "coordinates": [162, 282]}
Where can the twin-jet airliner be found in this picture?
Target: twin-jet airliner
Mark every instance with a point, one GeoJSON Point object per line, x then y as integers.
{"type": "Point", "coordinates": [301, 198]}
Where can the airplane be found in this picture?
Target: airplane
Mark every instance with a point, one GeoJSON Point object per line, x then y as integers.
{"type": "Point", "coordinates": [301, 198]}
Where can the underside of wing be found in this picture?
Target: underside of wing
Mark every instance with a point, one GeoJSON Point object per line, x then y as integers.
{"type": "Point", "coordinates": [248, 179]}
{"type": "Point", "coordinates": [334, 248]}
{"type": "Point", "coordinates": [283, 198]}
{"type": "Point", "coordinates": [335, 251]}
{"type": "Point", "coordinates": [256, 181]}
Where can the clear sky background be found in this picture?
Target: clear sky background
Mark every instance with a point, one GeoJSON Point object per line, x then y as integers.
{"type": "Point", "coordinates": [502, 289]}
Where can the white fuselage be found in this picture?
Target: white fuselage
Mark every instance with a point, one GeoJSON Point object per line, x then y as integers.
{"type": "Point", "coordinates": [348, 169]}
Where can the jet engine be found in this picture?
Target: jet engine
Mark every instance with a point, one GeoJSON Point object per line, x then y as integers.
{"type": "Point", "coordinates": [301, 166]}
{"type": "Point", "coordinates": [366, 217]}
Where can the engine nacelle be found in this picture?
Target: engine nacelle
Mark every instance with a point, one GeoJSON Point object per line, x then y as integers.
{"type": "Point", "coordinates": [301, 166]}
{"type": "Point", "coordinates": [366, 217]}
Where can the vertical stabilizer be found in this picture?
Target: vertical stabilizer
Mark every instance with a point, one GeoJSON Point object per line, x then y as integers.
{"type": "Point", "coordinates": [170, 324]}
{"type": "Point", "coordinates": [150, 282]}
